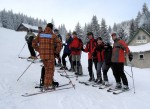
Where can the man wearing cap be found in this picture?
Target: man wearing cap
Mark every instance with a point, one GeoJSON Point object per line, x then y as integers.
{"type": "Point", "coordinates": [44, 43]}
{"type": "Point", "coordinates": [92, 57]}
{"type": "Point", "coordinates": [119, 50]}
{"type": "Point", "coordinates": [75, 47]}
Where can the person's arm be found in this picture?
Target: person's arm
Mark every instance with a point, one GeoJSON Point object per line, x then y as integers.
{"type": "Point", "coordinates": [58, 43]}
{"type": "Point", "coordinates": [35, 43]}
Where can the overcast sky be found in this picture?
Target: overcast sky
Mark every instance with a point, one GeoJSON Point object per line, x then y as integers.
{"type": "Point", "coordinates": [69, 12]}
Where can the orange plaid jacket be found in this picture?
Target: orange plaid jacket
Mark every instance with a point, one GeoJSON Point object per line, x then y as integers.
{"type": "Point", "coordinates": [47, 46]}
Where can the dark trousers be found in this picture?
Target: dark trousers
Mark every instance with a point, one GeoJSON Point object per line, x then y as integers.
{"type": "Point", "coordinates": [90, 65]}
{"type": "Point", "coordinates": [58, 57]}
{"type": "Point", "coordinates": [64, 61]}
{"type": "Point", "coordinates": [105, 69]}
{"type": "Point", "coordinates": [118, 72]}
{"type": "Point", "coordinates": [32, 52]}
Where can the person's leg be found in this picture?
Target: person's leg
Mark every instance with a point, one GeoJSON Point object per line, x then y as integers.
{"type": "Point", "coordinates": [49, 72]}
{"type": "Point", "coordinates": [32, 52]}
{"type": "Point", "coordinates": [122, 74]}
{"type": "Point", "coordinates": [63, 59]}
{"type": "Point", "coordinates": [116, 75]}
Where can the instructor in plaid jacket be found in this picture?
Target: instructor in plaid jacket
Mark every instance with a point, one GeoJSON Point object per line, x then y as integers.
{"type": "Point", "coordinates": [47, 43]}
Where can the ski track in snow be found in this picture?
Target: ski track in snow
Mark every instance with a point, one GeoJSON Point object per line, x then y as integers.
{"type": "Point", "coordinates": [83, 97]}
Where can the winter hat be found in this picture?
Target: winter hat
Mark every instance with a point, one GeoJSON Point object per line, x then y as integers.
{"type": "Point", "coordinates": [55, 30]}
{"type": "Point", "coordinates": [39, 27]}
{"type": "Point", "coordinates": [74, 33]}
{"type": "Point", "coordinates": [114, 34]}
{"type": "Point", "coordinates": [99, 38]}
{"type": "Point", "coordinates": [50, 25]}
{"type": "Point", "coordinates": [89, 33]}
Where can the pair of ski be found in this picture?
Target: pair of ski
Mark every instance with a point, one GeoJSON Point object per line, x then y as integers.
{"type": "Point", "coordinates": [31, 60]}
{"type": "Point", "coordinates": [60, 87]}
{"type": "Point", "coordinates": [117, 91]}
{"type": "Point", "coordinates": [93, 84]}
{"type": "Point", "coordinates": [69, 75]}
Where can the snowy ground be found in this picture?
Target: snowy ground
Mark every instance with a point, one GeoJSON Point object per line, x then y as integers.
{"type": "Point", "coordinates": [83, 97]}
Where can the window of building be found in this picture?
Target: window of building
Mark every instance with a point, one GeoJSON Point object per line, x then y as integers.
{"type": "Point", "coordinates": [138, 38]}
{"type": "Point", "coordinates": [144, 37]}
{"type": "Point", "coordinates": [141, 56]}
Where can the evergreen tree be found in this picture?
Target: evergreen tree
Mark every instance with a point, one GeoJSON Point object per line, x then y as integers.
{"type": "Point", "coordinates": [115, 27]}
{"type": "Point", "coordinates": [122, 34]}
{"type": "Point", "coordinates": [0, 20]}
{"type": "Point", "coordinates": [95, 27]}
{"type": "Point", "coordinates": [137, 20]}
{"type": "Point", "coordinates": [62, 31]}
{"type": "Point", "coordinates": [132, 30]}
{"type": "Point", "coordinates": [79, 31]}
{"type": "Point", "coordinates": [104, 32]}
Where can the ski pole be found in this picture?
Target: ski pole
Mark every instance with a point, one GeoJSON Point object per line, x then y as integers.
{"type": "Point", "coordinates": [27, 68]}
{"type": "Point", "coordinates": [21, 50]}
{"type": "Point", "coordinates": [73, 85]}
{"type": "Point", "coordinates": [76, 68]}
{"type": "Point", "coordinates": [133, 79]}
{"type": "Point", "coordinates": [127, 73]}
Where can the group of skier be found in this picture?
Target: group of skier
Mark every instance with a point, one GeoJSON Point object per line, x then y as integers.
{"type": "Point", "coordinates": [100, 53]}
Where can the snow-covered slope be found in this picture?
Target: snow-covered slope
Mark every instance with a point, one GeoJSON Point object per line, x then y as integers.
{"type": "Point", "coordinates": [83, 97]}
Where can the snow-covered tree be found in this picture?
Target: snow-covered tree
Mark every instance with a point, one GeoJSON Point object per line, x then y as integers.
{"type": "Point", "coordinates": [104, 32]}
{"type": "Point", "coordinates": [62, 31]}
{"type": "Point", "coordinates": [115, 27]}
{"type": "Point", "coordinates": [95, 27]}
{"type": "Point", "coordinates": [79, 30]}
{"type": "Point", "coordinates": [132, 30]}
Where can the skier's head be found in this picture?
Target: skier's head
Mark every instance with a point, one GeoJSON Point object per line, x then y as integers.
{"type": "Point", "coordinates": [56, 31]}
{"type": "Point", "coordinates": [99, 40]}
{"type": "Point", "coordinates": [50, 25]}
{"type": "Point", "coordinates": [68, 35]}
{"type": "Point", "coordinates": [90, 35]}
{"type": "Point", "coordinates": [40, 29]}
{"type": "Point", "coordinates": [114, 35]}
{"type": "Point", "coordinates": [74, 34]}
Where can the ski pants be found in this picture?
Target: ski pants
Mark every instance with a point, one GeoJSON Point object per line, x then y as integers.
{"type": "Point", "coordinates": [77, 64]}
{"type": "Point", "coordinates": [105, 69]}
{"type": "Point", "coordinates": [49, 72]}
{"type": "Point", "coordinates": [99, 68]}
{"type": "Point", "coordinates": [118, 72]}
{"type": "Point", "coordinates": [90, 65]}
{"type": "Point", "coordinates": [31, 49]}
{"type": "Point", "coordinates": [64, 61]}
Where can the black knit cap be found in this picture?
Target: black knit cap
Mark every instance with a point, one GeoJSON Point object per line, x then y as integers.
{"type": "Point", "coordinates": [50, 25]}
{"type": "Point", "coordinates": [55, 30]}
{"type": "Point", "coordinates": [99, 38]}
{"type": "Point", "coordinates": [89, 33]}
{"type": "Point", "coordinates": [74, 33]}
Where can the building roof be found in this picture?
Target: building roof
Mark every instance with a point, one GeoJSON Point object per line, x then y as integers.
{"type": "Point", "coordinates": [30, 26]}
{"type": "Point", "coordinates": [139, 29]}
{"type": "Point", "coordinates": [140, 48]}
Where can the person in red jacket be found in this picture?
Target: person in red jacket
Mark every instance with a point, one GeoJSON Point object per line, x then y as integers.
{"type": "Point", "coordinates": [76, 47]}
{"type": "Point", "coordinates": [100, 59]}
{"type": "Point", "coordinates": [92, 58]}
{"type": "Point", "coordinates": [119, 50]}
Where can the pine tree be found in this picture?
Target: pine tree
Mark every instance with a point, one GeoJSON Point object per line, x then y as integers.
{"type": "Point", "coordinates": [79, 31]}
{"type": "Point", "coordinates": [122, 34]}
{"type": "Point", "coordinates": [132, 30]}
{"type": "Point", "coordinates": [95, 27]}
{"type": "Point", "coordinates": [104, 32]}
{"type": "Point", "coordinates": [115, 27]}
{"type": "Point", "coordinates": [0, 20]}
{"type": "Point", "coordinates": [62, 31]}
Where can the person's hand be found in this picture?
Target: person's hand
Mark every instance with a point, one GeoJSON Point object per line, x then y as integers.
{"type": "Point", "coordinates": [130, 57]}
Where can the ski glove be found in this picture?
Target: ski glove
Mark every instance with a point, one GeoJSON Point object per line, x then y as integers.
{"type": "Point", "coordinates": [130, 57]}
